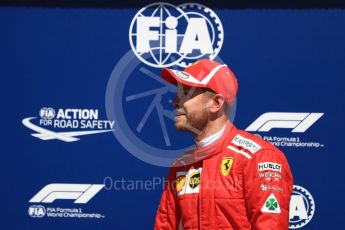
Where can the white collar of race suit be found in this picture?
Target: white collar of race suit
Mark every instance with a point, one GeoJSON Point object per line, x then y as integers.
{"type": "Point", "coordinates": [210, 139]}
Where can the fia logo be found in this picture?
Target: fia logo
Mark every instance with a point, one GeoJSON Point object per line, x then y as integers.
{"type": "Point", "coordinates": [47, 113]}
{"type": "Point", "coordinates": [302, 207]}
{"type": "Point", "coordinates": [37, 211]}
{"type": "Point", "coordinates": [163, 35]}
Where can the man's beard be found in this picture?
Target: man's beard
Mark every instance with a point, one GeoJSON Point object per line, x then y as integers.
{"type": "Point", "coordinates": [194, 121]}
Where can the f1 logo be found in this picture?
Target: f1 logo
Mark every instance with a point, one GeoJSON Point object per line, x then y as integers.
{"type": "Point", "coordinates": [299, 122]}
{"type": "Point", "coordinates": [81, 193]}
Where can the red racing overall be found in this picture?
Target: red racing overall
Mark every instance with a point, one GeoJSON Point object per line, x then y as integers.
{"type": "Point", "coordinates": [237, 182]}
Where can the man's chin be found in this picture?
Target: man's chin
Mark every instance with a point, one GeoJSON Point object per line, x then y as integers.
{"type": "Point", "coordinates": [179, 126]}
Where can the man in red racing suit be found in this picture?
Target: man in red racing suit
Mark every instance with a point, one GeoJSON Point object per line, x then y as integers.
{"type": "Point", "coordinates": [231, 179]}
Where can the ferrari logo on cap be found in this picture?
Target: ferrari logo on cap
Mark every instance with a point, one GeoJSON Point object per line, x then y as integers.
{"type": "Point", "coordinates": [226, 165]}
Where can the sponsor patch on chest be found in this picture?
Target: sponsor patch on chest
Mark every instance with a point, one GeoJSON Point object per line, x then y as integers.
{"type": "Point", "coordinates": [188, 182]}
{"type": "Point", "coordinates": [226, 165]}
{"type": "Point", "coordinates": [246, 143]}
{"type": "Point", "coordinates": [269, 166]}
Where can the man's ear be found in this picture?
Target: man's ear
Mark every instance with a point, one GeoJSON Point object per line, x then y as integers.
{"type": "Point", "coordinates": [217, 103]}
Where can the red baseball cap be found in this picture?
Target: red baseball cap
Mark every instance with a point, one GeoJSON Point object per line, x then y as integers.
{"type": "Point", "coordinates": [206, 73]}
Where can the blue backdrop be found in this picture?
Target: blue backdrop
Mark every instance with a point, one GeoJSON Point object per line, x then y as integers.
{"type": "Point", "coordinates": [288, 61]}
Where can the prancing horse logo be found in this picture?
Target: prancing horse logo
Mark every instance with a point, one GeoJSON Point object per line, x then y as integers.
{"type": "Point", "coordinates": [226, 165]}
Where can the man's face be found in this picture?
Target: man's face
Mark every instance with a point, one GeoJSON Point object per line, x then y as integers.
{"type": "Point", "coordinates": [191, 108]}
